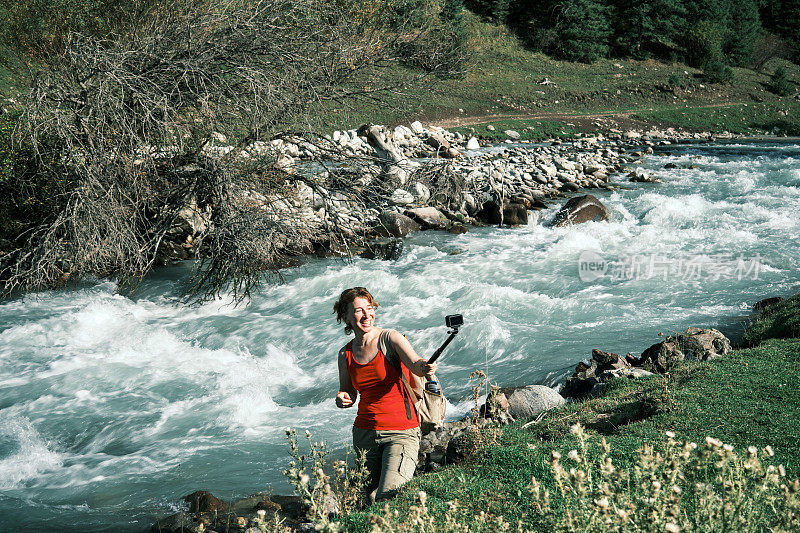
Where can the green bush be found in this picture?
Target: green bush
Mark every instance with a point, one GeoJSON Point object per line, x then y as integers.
{"type": "Point", "coordinates": [675, 80]}
{"type": "Point", "coordinates": [702, 43]}
{"type": "Point", "coordinates": [780, 83]}
{"type": "Point", "coordinates": [717, 72]}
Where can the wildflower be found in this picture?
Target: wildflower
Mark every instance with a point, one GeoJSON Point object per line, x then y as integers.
{"type": "Point", "coordinates": [308, 434]}
{"type": "Point", "coordinates": [769, 451]}
{"type": "Point", "coordinates": [672, 528]}
{"type": "Point", "coordinates": [261, 513]}
{"type": "Point", "coordinates": [670, 434]}
{"type": "Point", "coordinates": [555, 455]}
{"type": "Point", "coordinates": [676, 489]}
{"type": "Point", "coordinates": [573, 454]}
{"type": "Point", "coordinates": [576, 429]}
{"type": "Point", "coordinates": [781, 470]}
{"type": "Point", "coordinates": [711, 442]}
{"type": "Point", "coordinates": [752, 450]}
{"type": "Point", "coordinates": [656, 485]}
{"type": "Point", "coordinates": [602, 503]}
{"type": "Point", "coordinates": [422, 497]}
{"type": "Point", "coordinates": [304, 479]}
{"type": "Point", "coordinates": [727, 447]}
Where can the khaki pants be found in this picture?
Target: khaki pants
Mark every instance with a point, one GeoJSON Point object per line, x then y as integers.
{"type": "Point", "coordinates": [391, 458]}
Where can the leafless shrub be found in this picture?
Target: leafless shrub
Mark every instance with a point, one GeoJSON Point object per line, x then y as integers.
{"type": "Point", "coordinates": [120, 129]}
{"type": "Point", "coordinates": [769, 46]}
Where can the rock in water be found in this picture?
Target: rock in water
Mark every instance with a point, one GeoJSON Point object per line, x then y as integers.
{"type": "Point", "coordinates": [513, 214]}
{"type": "Point", "coordinates": [383, 249]}
{"type": "Point", "coordinates": [473, 144]}
{"type": "Point", "coordinates": [393, 224]}
{"type": "Point", "coordinates": [203, 501]}
{"type": "Point", "coordinates": [580, 209]}
{"type": "Point", "coordinates": [530, 401]}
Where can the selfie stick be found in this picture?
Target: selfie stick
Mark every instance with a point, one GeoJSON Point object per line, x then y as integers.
{"type": "Point", "coordinates": [453, 331]}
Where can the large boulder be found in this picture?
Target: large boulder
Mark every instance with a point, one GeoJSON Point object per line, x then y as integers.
{"type": "Point", "coordinates": [580, 209]}
{"type": "Point", "coordinates": [514, 214]}
{"type": "Point", "coordinates": [531, 401]}
{"type": "Point", "coordinates": [202, 501]}
{"type": "Point", "coordinates": [427, 217]}
{"type": "Point", "coordinates": [394, 224]}
{"type": "Point", "coordinates": [704, 344]}
{"type": "Point", "coordinates": [695, 343]}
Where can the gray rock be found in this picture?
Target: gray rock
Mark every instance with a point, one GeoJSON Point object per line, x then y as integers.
{"type": "Point", "coordinates": [513, 214]}
{"type": "Point", "coordinates": [417, 128]}
{"type": "Point", "coordinates": [393, 224]}
{"type": "Point", "coordinates": [580, 209]}
{"type": "Point", "coordinates": [530, 401]}
{"type": "Point", "coordinates": [513, 135]}
{"type": "Point", "coordinates": [490, 127]}
{"type": "Point", "coordinates": [427, 217]}
{"type": "Point", "coordinates": [401, 197]}
{"type": "Point", "coordinates": [473, 144]}
{"type": "Point", "coordinates": [421, 193]}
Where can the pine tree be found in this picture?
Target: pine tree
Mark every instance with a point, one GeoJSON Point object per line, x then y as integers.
{"type": "Point", "coordinates": [743, 29]}
{"type": "Point", "coordinates": [583, 29]}
{"type": "Point", "coordinates": [643, 23]}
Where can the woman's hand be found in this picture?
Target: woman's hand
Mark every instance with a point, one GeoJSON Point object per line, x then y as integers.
{"type": "Point", "coordinates": [427, 369]}
{"type": "Point", "coordinates": [343, 400]}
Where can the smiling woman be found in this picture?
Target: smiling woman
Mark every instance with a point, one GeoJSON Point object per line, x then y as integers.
{"type": "Point", "coordinates": [386, 425]}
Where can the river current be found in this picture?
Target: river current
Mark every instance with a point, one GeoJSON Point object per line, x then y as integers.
{"type": "Point", "coordinates": [112, 407]}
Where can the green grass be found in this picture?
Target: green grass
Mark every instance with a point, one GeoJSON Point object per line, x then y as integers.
{"type": "Point", "coordinates": [779, 321]}
{"type": "Point", "coordinates": [748, 118]}
{"type": "Point", "coordinates": [534, 130]}
{"type": "Point", "coordinates": [749, 397]}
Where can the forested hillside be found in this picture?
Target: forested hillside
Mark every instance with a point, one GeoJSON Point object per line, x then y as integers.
{"type": "Point", "coordinates": [705, 33]}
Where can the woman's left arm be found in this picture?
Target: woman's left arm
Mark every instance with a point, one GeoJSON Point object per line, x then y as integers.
{"type": "Point", "coordinates": [414, 362]}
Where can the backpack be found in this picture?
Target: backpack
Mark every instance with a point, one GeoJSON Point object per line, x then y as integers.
{"type": "Point", "coordinates": [430, 406]}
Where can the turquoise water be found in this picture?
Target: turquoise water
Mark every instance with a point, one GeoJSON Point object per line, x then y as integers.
{"type": "Point", "coordinates": [112, 407]}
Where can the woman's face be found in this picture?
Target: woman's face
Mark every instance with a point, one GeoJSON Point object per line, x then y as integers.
{"type": "Point", "coordinates": [361, 316]}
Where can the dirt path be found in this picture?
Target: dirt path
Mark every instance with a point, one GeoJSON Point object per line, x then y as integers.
{"type": "Point", "coordinates": [620, 118]}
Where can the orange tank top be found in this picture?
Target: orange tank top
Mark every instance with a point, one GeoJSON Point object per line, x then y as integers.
{"type": "Point", "coordinates": [382, 405]}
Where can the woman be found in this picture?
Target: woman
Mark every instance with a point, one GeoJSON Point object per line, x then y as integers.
{"type": "Point", "coordinates": [384, 426]}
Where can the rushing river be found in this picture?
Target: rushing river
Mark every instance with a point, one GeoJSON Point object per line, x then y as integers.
{"type": "Point", "coordinates": [112, 407]}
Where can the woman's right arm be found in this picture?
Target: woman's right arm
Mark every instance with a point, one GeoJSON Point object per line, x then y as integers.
{"type": "Point", "coordinates": [347, 392]}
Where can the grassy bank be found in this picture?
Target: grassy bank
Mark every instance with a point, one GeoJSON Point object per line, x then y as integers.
{"type": "Point", "coordinates": [504, 81]}
{"type": "Point", "coordinates": [751, 397]}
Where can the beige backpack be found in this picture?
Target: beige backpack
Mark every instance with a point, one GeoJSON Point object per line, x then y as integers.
{"type": "Point", "coordinates": [430, 406]}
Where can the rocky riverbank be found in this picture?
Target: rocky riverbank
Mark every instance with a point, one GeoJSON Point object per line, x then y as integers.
{"type": "Point", "coordinates": [436, 178]}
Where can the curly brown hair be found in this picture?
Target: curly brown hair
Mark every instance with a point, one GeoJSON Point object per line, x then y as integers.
{"type": "Point", "coordinates": [340, 308]}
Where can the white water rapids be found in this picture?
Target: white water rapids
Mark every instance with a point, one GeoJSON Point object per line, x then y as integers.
{"type": "Point", "coordinates": [112, 407]}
